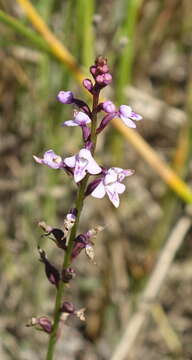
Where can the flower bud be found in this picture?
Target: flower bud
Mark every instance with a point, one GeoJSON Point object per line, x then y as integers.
{"type": "Point", "coordinates": [87, 83]}
{"type": "Point", "coordinates": [93, 70]}
{"type": "Point", "coordinates": [107, 78]}
{"type": "Point", "coordinates": [68, 307]}
{"type": "Point", "coordinates": [65, 97]}
{"type": "Point", "coordinates": [41, 323]}
{"type": "Point", "coordinates": [45, 323]}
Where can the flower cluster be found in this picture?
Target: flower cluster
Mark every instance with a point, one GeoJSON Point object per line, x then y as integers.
{"type": "Point", "coordinates": [109, 181]}
{"type": "Point", "coordinates": [82, 166]}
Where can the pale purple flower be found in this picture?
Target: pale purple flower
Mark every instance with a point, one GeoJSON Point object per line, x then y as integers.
{"type": "Point", "coordinates": [82, 163]}
{"type": "Point", "coordinates": [65, 97]}
{"type": "Point", "coordinates": [127, 115]}
{"type": "Point", "coordinates": [50, 159]}
{"type": "Point", "coordinates": [80, 119]}
{"type": "Point", "coordinates": [111, 184]}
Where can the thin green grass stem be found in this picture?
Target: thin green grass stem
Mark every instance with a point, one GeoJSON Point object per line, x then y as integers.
{"type": "Point", "coordinates": [23, 30]}
{"type": "Point", "coordinates": [124, 70]}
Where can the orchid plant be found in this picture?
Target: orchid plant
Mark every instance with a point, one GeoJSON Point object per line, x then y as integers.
{"type": "Point", "coordinates": [82, 167]}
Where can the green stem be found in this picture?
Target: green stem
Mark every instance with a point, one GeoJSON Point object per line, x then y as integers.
{"type": "Point", "coordinates": [23, 30]}
{"type": "Point", "coordinates": [67, 256]}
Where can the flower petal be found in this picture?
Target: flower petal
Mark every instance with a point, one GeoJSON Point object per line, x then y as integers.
{"type": "Point", "coordinates": [113, 196]}
{"type": "Point", "coordinates": [125, 111]}
{"type": "Point", "coordinates": [38, 160]}
{"type": "Point", "coordinates": [93, 168]}
{"type": "Point", "coordinates": [120, 188]}
{"type": "Point", "coordinates": [135, 116]}
{"type": "Point", "coordinates": [70, 161]}
{"type": "Point", "coordinates": [82, 119]}
{"type": "Point", "coordinates": [128, 122]}
{"type": "Point", "coordinates": [99, 191]}
{"type": "Point", "coordinates": [124, 173]}
{"type": "Point", "coordinates": [111, 177]}
{"type": "Point", "coordinates": [80, 169]}
{"type": "Point", "coordinates": [85, 153]}
{"type": "Point", "coordinates": [69, 123]}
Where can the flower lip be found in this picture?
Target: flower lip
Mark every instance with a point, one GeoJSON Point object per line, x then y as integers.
{"type": "Point", "coordinates": [127, 116]}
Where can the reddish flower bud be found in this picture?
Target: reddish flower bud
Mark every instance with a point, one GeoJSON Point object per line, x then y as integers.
{"type": "Point", "coordinates": [107, 78]}
{"type": "Point", "coordinates": [68, 307]}
{"type": "Point", "coordinates": [68, 274]}
{"type": "Point", "coordinates": [45, 323]}
{"type": "Point", "coordinates": [93, 70]}
{"type": "Point", "coordinates": [79, 244]}
{"type": "Point", "coordinates": [41, 323]}
{"type": "Point", "coordinates": [87, 83]}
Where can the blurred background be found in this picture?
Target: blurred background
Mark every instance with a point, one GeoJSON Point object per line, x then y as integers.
{"type": "Point", "coordinates": [148, 46]}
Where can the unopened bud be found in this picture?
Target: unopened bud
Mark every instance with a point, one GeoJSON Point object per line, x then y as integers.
{"type": "Point", "coordinates": [68, 307]}
{"type": "Point", "coordinates": [87, 83]}
{"type": "Point", "coordinates": [41, 323]}
{"type": "Point", "coordinates": [68, 275]}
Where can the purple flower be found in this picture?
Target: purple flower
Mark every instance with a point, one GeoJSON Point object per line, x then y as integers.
{"type": "Point", "coordinates": [65, 97]}
{"type": "Point", "coordinates": [50, 159]}
{"type": "Point", "coordinates": [127, 115]}
{"type": "Point", "coordinates": [111, 184]}
{"type": "Point", "coordinates": [80, 119]}
{"type": "Point", "coordinates": [82, 163]}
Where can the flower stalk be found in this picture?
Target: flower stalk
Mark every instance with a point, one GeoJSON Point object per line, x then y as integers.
{"type": "Point", "coordinates": [81, 167]}
{"type": "Point", "coordinates": [67, 256]}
